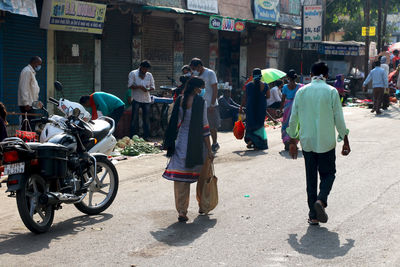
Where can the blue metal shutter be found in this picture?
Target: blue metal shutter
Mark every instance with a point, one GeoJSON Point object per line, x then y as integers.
{"type": "Point", "coordinates": [116, 51]}
{"type": "Point", "coordinates": [23, 39]}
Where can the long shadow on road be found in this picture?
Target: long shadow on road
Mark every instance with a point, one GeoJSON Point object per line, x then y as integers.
{"type": "Point", "coordinates": [320, 243]}
{"type": "Point", "coordinates": [182, 234]}
{"type": "Point", "coordinates": [27, 243]}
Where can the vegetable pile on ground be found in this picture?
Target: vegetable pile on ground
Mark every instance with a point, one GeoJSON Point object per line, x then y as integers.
{"type": "Point", "coordinates": [135, 146]}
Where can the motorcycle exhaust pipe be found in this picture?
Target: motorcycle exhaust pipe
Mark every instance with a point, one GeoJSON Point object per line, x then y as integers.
{"type": "Point", "coordinates": [48, 199]}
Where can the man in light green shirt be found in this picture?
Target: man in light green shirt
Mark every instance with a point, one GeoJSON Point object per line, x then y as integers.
{"type": "Point", "coordinates": [317, 111]}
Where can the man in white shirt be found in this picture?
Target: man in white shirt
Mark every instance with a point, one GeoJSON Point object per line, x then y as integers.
{"type": "Point", "coordinates": [275, 99]}
{"type": "Point", "coordinates": [28, 87]}
{"type": "Point", "coordinates": [141, 82]}
{"type": "Point", "coordinates": [210, 96]}
{"type": "Point", "coordinates": [386, 95]}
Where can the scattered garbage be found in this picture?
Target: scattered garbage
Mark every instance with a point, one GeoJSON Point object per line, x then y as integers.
{"type": "Point", "coordinates": [246, 196]}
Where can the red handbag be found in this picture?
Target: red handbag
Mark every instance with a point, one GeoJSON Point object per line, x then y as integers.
{"type": "Point", "coordinates": [26, 133]}
{"type": "Point", "coordinates": [238, 129]}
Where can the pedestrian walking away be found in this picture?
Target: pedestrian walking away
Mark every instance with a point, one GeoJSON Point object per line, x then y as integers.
{"type": "Point", "coordinates": [317, 111]}
{"type": "Point", "coordinates": [210, 96]}
{"type": "Point", "coordinates": [187, 141]}
{"type": "Point", "coordinates": [379, 83]}
{"type": "Point", "coordinates": [108, 104]}
{"type": "Point", "coordinates": [288, 93]}
{"type": "Point", "coordinates": [256, 111]}
{"type": "Point", "coordinates": [386, 94]}
{"type": "Point", "coordinates": [28, 88]}
{"type": "Point", "coordinates": [141, 82]}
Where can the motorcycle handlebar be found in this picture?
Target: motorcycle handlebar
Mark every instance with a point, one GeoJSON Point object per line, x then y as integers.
{"type": "Point", "coordinates": [53, 100]}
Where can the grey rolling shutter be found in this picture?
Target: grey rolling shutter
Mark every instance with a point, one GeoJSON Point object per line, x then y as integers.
{"type": "Point", "coordinates": [158, 48]}
{"type": "Point", "coordinates": [116, 53]}
{"type": "Point", "coordinates": [256, 52]}
{"type": "Point", "coordinates": [197, 42]}
{"type": "Point", "coordinates": [76, 73]}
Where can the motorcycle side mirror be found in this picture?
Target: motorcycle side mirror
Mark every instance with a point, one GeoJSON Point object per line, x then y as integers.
{"type": "Point", "coordinates": [58, 86]}
{"type": "Point", "coordinates": [37, 105]}
{"type": "Point", "coordinates": [76, 112]}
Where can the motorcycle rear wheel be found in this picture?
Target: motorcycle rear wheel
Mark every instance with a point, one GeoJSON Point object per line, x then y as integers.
{"type": "Point", "coordinates": [93, 203]}
{"type": "Point", "coordinates": [37, 218]}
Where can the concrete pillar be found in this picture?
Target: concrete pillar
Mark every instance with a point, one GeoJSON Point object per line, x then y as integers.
{"type": "Point", "coordinates": [97, 65]}
{"type": "Point", "coordinates": [51, 68]}
{"type": "Point", "coordinates": [214, 50]}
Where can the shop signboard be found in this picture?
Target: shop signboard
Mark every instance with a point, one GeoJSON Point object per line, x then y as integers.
{"type": "Point", "coordinates": [209, 6]}
{"type": "Point", "coordinates": [26, 7]}
{"type": "Point", "coordinates": [267, 10]}
{"type": "Point", "coordinates": [312, 25]}
{"type": "Point", "coordinates": [226, 24]}
{"type": "Point", "coordinates": [371, 30]}
{"type": "Point", "coordinates": [292, 7]}
{"type": "Point", "coordinates": [75, 16]}
{"type": "Point", "coordinates": [287, 34]}
{"type": "Point", "coordinates": [341, 50]}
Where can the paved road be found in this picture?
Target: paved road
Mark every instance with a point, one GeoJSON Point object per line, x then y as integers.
{"type": "Point", "coordinates": [268, 228]}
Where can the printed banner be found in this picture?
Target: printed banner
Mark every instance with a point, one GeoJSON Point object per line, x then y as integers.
{"type": "Point", "coordinates": [226, 24]}
{"type": "Point", "coordinates": [341, 50]}
{"type": "Point", "coordinates": [291, 7]}
{"type": "Point", "coordinates": [267, 10]}
{"type": "Point", "coordinates": [312, 25]}
{"type": "Point", "coordinates": [287, 34]}
{"type": "Point", "coordinates": [74, 16]}
{"type": "Point", "coordinates": [25, 7]}
{"type": "Point", "coordinates": [210, 6]}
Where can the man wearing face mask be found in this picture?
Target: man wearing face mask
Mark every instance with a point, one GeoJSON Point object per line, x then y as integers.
{"type": "Point", "coordinates": [210, 96]}
{"type": "Point", "coordinates": [28, 87]}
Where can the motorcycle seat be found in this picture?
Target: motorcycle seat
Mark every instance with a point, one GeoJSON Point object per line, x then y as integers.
{"type": "Point", "coordinates": [33, 145]}
{"type": "Point", "coordinates": [100, 129]}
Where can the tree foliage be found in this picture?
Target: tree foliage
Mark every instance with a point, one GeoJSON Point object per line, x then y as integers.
{"type": "Point", "coordinates": [348, 15]}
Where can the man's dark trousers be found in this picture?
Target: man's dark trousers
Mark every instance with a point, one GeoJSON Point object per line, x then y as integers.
{"type": "Point", "coordinates": [324, 163]}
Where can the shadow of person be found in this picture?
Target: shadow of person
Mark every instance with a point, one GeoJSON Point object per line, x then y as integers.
{"type": "Point", "coordinates": [27, 243]}
{"type": "Point", "coordinates": [182, 234]}
{"type": "Point", "coordinates": [320, 243]}
{"type": "Point", "coordinates": [286, 154]}
{"type": "Point", "coordinates": [250, 153]}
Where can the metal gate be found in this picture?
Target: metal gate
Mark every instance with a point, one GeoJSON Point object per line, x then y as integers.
{"type": "Point", "coordinates": [116, 62]}
{"type": "Point", "coordinates": [158, 47]}
{"type": "Point", "coordinates": [75, 63]}
{"type": "Point", "coordinates": [197, 42]}
{"type": "Point", "coordinates": [22, 39]}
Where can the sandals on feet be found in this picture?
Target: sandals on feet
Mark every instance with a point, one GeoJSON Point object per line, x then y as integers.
{"type": "Point", "coordinates": [183, 218]}
{"type": "Point", "coordinates": [320, 210]}
{"type": "Point", "coordinates": [313, 222]}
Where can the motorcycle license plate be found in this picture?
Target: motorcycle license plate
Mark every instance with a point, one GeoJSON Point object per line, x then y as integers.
{"type": "Point", "coordinates": [15, 168]}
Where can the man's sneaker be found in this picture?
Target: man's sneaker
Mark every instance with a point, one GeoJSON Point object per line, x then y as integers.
{"type": "Point", "coordinates": [215, 148]}
{"type": "Point", "coordinates": [320, 210]}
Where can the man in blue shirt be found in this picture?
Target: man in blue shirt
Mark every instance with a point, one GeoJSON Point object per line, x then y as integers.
{"type": "Point", "coordinates": [379, 83]}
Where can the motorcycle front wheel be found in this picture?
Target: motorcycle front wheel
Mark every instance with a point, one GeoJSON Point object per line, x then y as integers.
{"type": "Point", "coordinates": [100, 196]}
{"type": "Point", "coordinates": [36, 217]}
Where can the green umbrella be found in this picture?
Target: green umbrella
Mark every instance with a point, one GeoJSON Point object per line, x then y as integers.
{"type": "Point", "coordinates": [271, 75]}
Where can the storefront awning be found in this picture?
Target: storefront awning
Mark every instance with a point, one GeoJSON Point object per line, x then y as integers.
{"type": "Point", "coordinates": [27, 7]}
{"type": "Point", "coordinates": [173, 10]}
{"type": "Point", "coordinates": [190, 12]}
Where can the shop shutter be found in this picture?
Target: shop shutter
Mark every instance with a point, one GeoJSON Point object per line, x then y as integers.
{"type": "Point", "coordinates": [75, 72]}
{"type": "Point", "coordinates": [116, 62]}
{"type": "Point", "coordinates": [23, 39]}
{"type": "Point", "coordinates": [256, 52]}
{"type": "Point", "coordinates": [197, 42]}
{"type": "Point", "coordinates": [158, 47]}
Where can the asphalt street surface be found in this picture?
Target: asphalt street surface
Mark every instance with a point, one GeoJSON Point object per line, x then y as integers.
{"type": "Point", "coordinates": [261, 219]}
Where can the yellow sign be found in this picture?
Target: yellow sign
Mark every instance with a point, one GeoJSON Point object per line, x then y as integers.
{"type": "Point", "coordinates": [372, 31]}
{"type": "Point", "coordinates": [75, 16]}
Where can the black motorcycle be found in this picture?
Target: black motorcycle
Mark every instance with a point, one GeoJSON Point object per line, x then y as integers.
{"type": "Point", "coordinates": [61, 171]}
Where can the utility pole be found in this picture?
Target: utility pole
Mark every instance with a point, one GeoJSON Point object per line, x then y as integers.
{"type": "Point", "coordinates": [385, 14]}
{"type": "Point", "coordinates": [366, 62]}
{"type": "Point", "coordinates": [379, 26]}
{"type": "Point", "coordinates": [324, 6]}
